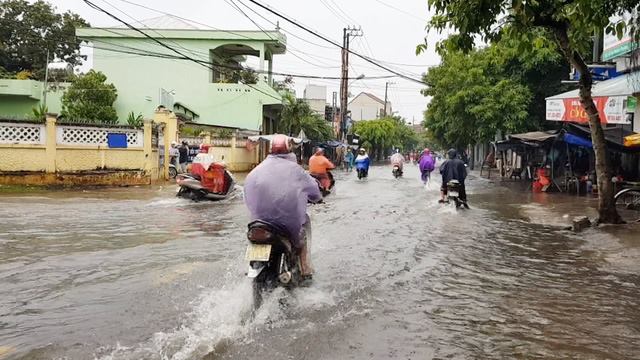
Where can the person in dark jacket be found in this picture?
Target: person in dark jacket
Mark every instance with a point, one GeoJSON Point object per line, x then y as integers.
{"type": "Point", "coordinates": [453, 169]}
{"type": "Point", "coordinates": [184, 156]}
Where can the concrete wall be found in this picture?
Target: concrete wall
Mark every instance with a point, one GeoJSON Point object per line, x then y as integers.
{"type": "Point", "coordinates": [22, 157]}
{"type": "Point", "coordinates": [54, 154]}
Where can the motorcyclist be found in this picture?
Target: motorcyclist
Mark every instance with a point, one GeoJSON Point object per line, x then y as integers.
{"type": "Point", "coordinates": [318, 167]}
{"type": "Point", "coordinates": [278, 190]}
{"type": "Point", "coordinates": [362, 161]}
{"type": "Point", "coordinates": [453, 169]}
{"type": "Point", "coordinates": [397, 160]}
{"type": "Point", "coordinates": [427, 163]}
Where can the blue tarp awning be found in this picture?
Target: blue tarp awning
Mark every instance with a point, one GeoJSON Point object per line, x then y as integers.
{"type": "Point", "coordinates": [577, 140]}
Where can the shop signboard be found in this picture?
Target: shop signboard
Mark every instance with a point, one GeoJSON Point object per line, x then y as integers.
{"type": "Point", "coordinates": [612, 110]}
{"type": "Point", "coordinates": [614, 46]}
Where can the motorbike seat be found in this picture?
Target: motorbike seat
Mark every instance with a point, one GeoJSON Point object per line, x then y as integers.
{"type": "Point", "coordinates": [278, 229]}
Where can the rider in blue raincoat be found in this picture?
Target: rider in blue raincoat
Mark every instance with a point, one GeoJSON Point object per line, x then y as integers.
{"type": "Point", "coordinates": [362, 161]}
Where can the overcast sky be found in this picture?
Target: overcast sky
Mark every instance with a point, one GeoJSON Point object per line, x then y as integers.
{"type": "Point", "coordinates": [392, 29]}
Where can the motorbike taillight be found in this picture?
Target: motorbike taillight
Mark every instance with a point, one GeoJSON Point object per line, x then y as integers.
{"type": "Point", "coordinates": [259, 234]}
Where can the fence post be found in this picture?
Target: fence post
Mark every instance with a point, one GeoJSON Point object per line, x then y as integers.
{"type": "Point", "coordinates": [232, 155]}
{"type": "Point", "coordinates": [170, 134]}
{"type": "Point", "coordinates": [148, 151]}
{"type": "Point", "coordinates": [50, 143]}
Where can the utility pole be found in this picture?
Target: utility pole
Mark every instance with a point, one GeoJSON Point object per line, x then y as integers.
{"type": "Point", "coordinates": [347, 33]}
{"type": "Point", "coordinates": [46, 81]}
{"type": "Point", "coordinates": [386, 90]}
{"type": "Point", "coordinates": [334, 110]}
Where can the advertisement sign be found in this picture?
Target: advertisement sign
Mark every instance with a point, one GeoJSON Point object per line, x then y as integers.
{"type": "Point", "coordinates": [612, 110]}
{"type": "Point", "coordinates": [613, 46]}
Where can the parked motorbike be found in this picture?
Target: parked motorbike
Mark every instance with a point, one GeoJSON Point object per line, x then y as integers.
{"type": "Point", "coordinates": [453, 194]}
{"type": "Point", "coordinates": [173, 172]}
{"type": "Point", "coordinates": [397, 172]}
{"type": "Point", "coordinates": [325, 190]}
{"type": "Point", "coordinates": [215, 189]}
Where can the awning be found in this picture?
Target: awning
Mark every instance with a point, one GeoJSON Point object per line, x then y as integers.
{"type": "Point", "coordinates": [535, 136]}
{"type": "Point", "coordinates": [529, 139]}
{"type": "Point", "coordinates": [577, 140]}
{"type": "Point", "coordinates": [610, 97]}
{"type": "Point", "coordinates": [632, 140]}
{"type": "Point", "coordinates": [615, 137]}
{"type": "Point", "coordinates": [624, 85]}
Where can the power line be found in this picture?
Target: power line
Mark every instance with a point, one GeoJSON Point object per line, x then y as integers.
{"type": "Point", "coordinates": [163, 44]}
{"type": "Point", "coordinates": [334, 43]}
{"type": "Point", "coordinates": [400, 10]}
{"type": "Point", "coordinates": [235, 6]}
{"type": "Point", "coordinates": [135, 51]}
{"type": "Point", "coordinates": [217, 29]}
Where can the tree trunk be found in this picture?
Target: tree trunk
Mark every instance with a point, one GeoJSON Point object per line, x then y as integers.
{"type": "Point", "coordinates": [607, 212]}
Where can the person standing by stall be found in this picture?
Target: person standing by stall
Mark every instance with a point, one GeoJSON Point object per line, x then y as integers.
{"type": "Point", "coordinates": [348, 160]}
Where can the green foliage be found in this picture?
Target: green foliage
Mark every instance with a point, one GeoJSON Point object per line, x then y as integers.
{"type": "Point", "coordinates": [499, 88]}
{"type": "Point", "coordinates": [223, 133]}
{"type": "Point", "coordinates": [40, 112]}
{"type": "Point", "coordinates": [135, 120]}
{"type": "Point", "coordinates": [90, 98]}
{"type": "Point", "coordinates": [296, 115]}
{"type": "Point", "coordinates": [381, 135]}
{"type": "Point", "coordinates": [29, 29]}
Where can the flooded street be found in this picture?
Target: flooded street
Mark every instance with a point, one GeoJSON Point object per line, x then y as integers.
{"type": "Point", "coordinates": [135, 273]}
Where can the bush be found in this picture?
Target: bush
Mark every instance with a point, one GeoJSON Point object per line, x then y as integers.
{"type": "Point", "coordinates": [91, 99]}
{"type": "Point", "coordinates": [135, 120]}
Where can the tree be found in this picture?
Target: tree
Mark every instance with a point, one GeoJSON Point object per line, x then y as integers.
{"type": "Point", "coordinates": [477, 94]}
{"type": "Point", "coordinates": [90, 98]}
{"type": "Point", "coordinates": [296, 115]}
{"type": "Point", "coordinates": [385, 134]}
{"type": "Point", "coordinates": [568, 23]}
{"type": "Point", "coordinates": [28, 30]}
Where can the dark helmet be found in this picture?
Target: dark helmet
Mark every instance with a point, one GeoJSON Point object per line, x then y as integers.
{"type": "Point", "coordinates": [452, 153]}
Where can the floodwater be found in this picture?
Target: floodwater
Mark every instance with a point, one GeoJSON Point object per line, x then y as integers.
{"type": "Point", "coordinates": [136, 273]}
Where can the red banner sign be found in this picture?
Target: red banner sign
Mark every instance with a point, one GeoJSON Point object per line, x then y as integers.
{"type": "Point", "coordinates": [612, 110]}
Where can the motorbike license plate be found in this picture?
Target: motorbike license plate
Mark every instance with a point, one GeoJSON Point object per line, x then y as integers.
{"type": "Point", "coordinates": [258, 252]}
{"type": "Point", "coordinates": [453, 193]}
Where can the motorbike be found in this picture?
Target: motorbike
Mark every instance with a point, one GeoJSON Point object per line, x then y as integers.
{"type": "Point", "coordinates": [325, 190]}
{"type": "Point", "coordinates": [272, 259]}
{"type": "Point", "coordinates": [453, 194]}
{"type": "Point", "coordinates": [397, 172]}
{"type": "Point", "coordinates": [362, 173]}
{"type": "Point", "coordinates": [217, 188]}
{"type": "Point", "coordinates": [173, 171]}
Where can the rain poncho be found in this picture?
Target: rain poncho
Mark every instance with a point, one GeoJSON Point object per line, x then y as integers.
{"type": "Point", "coordinates": [362, 162]}
{"type": "Point", "coordinates": [453, 169]}
{"type": "Point", "coordinates": [426, 162]}
{"type": "Point", "coordinates": [397, 159]}
{"type": "Point", "coordinates": [277, 191]}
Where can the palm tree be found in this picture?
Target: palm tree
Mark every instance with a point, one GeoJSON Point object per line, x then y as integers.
{"type": "Point", "coordinates": [296, 115]}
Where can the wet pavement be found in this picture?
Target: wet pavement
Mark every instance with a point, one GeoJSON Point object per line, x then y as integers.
{"type": "Point", "coordinates": [136, 273]}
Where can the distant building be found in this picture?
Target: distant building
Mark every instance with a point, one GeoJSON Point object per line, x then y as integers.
{"type": "Point", "coordinates": [316, 97]}
{"type": "Point", "coordinates": [366, 106]}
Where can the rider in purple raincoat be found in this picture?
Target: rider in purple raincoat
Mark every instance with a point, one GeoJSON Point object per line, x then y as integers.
{"type": "Point", "coordinates": [278, 190]}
